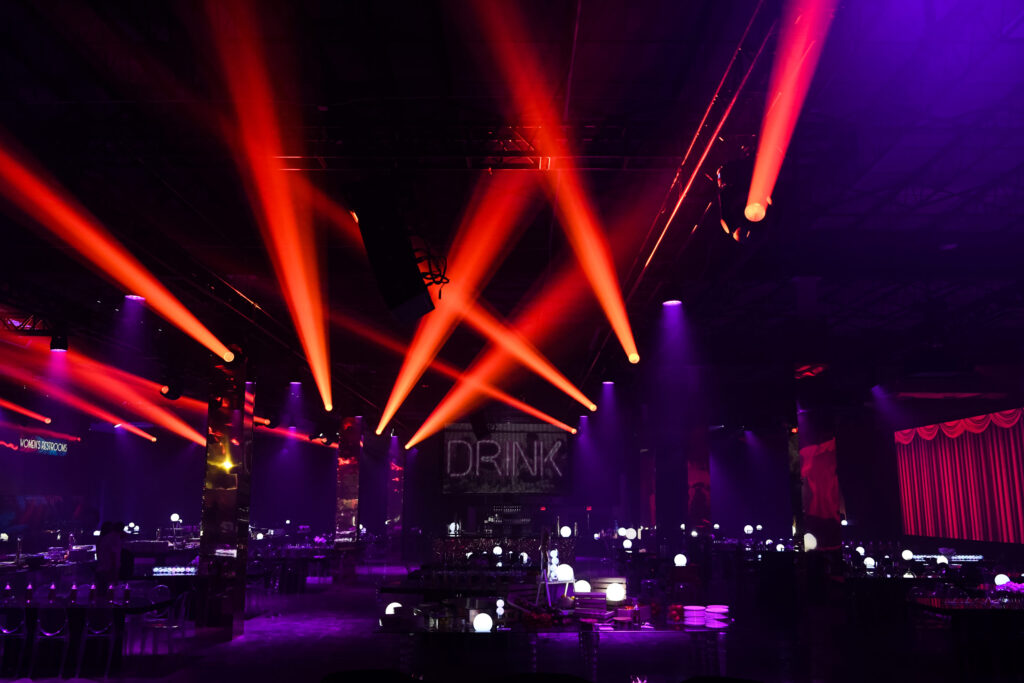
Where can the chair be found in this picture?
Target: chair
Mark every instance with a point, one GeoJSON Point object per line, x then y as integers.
{"type": "Point", "coordinates": [13, 627]}
{"type": "Point", "coordinates": [137, 624]}
{"type": "Point", "coordinates": [173, 623]}
{"type": "Point", "coordinates": [51, 626]}
{"type": "Point", "coordinates": [99, 626]}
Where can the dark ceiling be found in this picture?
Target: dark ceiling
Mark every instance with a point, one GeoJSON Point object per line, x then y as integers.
{"type": "Point", "coordinates": [899, 207]}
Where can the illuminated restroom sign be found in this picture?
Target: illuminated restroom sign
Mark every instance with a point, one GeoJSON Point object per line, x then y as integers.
{"type": "Point", "coordinates": [38, 444]}
{"type": "Point", "coordinates": [513, 458]}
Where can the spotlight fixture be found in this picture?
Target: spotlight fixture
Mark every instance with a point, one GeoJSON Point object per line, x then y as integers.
{"type": "Point", "coordinates": [171, 390]}
{"type": "Point", "coordinates": [59, 342]}
{"type": "Point", "coordinates": [672, 302]}
{"type": "Point", "coordinates": [737, 219]}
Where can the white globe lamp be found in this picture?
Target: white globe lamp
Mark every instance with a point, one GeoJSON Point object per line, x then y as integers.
{"type": "Point", "coordinates": [482, 623]}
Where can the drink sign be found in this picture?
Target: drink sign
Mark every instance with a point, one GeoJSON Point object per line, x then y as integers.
{"type": "Point", "coordinates": [513, 458]}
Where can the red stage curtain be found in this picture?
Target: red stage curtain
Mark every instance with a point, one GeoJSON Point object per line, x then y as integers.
{"type": "Point", "coordinates": [965, 478]}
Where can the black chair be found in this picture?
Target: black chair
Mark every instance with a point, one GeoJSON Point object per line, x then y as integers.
{"type": "Point", "coordinates": [99, 627]}
{"type": "Point", "coordinates": [51, 627]}
{"type": "Point", "coordinates": [13, 628]}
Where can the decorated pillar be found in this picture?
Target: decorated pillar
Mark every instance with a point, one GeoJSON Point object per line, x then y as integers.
{"type": "Point", "coordinates": [396, 488]}
{"type": "Point", "coordinates": [224, 531]}
{"type": "Point", "coordinates": [821, 501]}
{"type": "Point", "coordinates": [346, 517]}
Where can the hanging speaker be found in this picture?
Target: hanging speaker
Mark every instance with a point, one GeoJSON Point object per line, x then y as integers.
{"type": "Point", "coordinates": [478, 422]}
{"type": "Point", "coordinates": [391, 255]}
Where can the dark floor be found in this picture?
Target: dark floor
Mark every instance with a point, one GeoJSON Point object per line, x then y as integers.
{"type": "Point", "coordinates": [333, 628]}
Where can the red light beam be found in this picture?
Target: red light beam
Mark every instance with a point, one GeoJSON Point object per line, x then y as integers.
{"type": "Point", "coordinates": [40, 431]}
{"type": "Point", "coordinates": [522, 350]}
{"type": "Point", "coordinates": [483, 234]}
{"type": "Point", "coordinates": [538, 321]}
{"type": "Point", "coordinates": [450, 371]}
{"type": "Point", "coordinates": [100, 383]}
{"type": "Point", "coordinates": [575, 211]}
{"type": "Point", "coordinates": [479, 318]}
{"type": "Point", "coordinates": [113, 385]}
{"type": "Point", "coordinates": [287, 232]}
{"type": "Point", "coordinates": [52, 208]}
{"type": "Point", "coordinates": [707, 150]}
{"type": "Point", "coordinates": [70, 399]}
{"type": "Point", "coordinates": [804, 29]}
{"type": "Point", "coordinates": [24, 411]}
